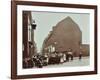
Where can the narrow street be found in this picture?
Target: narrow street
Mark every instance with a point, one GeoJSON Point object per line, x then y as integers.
{"type": "Point", "coordinates": [76, 62]}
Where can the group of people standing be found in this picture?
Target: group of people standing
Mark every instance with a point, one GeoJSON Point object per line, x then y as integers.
{"type": "Point", "coordinates": [67, 55]}
{"type": "Point", "coordinates": [53, 58]}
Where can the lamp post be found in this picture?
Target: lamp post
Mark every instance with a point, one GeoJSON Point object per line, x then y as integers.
{"type": "Point", "coordinates": [33, 27]}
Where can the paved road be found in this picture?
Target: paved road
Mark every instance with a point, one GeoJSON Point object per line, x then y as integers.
{"type": "Point", "coordinates": [76, 62]}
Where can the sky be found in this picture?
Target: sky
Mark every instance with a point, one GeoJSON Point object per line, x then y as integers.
{"type": "Point", "coordinates": [46, 20]}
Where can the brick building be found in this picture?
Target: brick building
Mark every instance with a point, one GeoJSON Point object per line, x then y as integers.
{"type": "Point", "coordinates": [66, 34]}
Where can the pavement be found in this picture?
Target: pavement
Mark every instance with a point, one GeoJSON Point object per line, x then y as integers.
{"type": "Point", "coordinates": [75, 62]}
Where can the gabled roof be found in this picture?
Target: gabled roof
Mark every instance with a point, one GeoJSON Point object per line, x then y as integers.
{"type": "Point", "coordinates": [68, 23]}
{"type": "Point", "coordinates": [65, 32]}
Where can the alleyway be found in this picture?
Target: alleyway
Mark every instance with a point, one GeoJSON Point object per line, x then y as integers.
{"type": "Point", "coordinates": [76, 62]}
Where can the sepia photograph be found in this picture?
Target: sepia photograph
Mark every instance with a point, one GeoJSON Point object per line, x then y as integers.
{"type": "Point", "coordinates": [53, 39]}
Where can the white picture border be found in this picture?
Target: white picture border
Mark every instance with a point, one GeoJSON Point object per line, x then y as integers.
{"type": "Point", "coordinates": [21, 71]}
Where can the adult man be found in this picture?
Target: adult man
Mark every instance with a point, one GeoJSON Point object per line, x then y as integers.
{"type": "Point", "coordinates": [80, 56]}
{"type": "Point", "coordinates": [70, 54]}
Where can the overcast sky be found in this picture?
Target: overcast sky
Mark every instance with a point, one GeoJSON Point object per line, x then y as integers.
{"type": "Point", "coordinates": [46, 20]}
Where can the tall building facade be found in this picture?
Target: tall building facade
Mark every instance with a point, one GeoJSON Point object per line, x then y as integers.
{"type": "Point", "coordinates": [65, 35]}
{"type": "Point", "coordinates": [29, 46]}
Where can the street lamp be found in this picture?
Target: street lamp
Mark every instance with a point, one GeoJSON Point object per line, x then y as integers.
{"type": "Point", "coordinates": [33, 24]}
